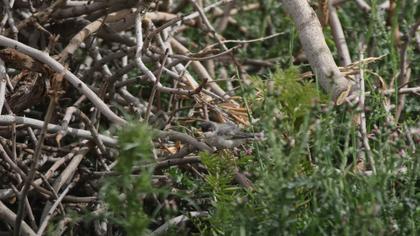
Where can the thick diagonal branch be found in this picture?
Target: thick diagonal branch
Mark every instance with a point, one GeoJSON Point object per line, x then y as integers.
{"type": "Point", "coordinates": [316, 49]}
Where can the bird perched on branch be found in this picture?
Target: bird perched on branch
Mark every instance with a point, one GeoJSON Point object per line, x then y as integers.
{"type": "Point", "coordinates": [227, 135]}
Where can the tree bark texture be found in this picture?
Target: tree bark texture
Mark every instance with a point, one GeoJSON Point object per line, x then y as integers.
{"type": "Point", "coordinates": [316, 49]}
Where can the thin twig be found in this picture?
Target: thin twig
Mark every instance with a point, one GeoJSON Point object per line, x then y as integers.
{"type": "Point", "coordinates": [33, 168]}
{"type": "Point", "coordinates": [52, 209]}
{"type": "Point", "coordinates": [3, 82]}
{"type": "Point", "coordinates": [154, 89]}
{"type": "Point", "coordinates": [10, 119]}
{"type": "Point", "coordinates": [143, 67]}
{"type": "Point", "coordinates": [362, 127]}
{"type": "Point", "coordinates": [339, 38]}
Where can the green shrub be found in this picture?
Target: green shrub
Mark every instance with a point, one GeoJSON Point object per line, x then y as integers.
{"type": "Point", "coordinates": [124, 193]}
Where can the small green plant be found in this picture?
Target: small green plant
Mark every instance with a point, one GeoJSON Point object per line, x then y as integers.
{"type": "Point", "coordinates": [124, 193]}
{"type": "Point", "coordinates": [221, 190]}
{"type": "Point", "coordinates": [284, 98]}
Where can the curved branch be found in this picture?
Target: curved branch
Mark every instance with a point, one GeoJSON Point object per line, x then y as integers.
{"type": "Point", "coordinates": [70, 77]}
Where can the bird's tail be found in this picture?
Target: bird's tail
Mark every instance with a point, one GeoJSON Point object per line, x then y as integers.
{"type": "Point", "coordinates": [251, 136]}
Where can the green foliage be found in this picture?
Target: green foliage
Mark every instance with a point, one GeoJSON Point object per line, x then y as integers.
{"type": "Point", "coordinates": [219, 187]}
{"type": "Point", "coordinates": [124, 193]}
{"type": "Point", "coordinates": [285, 95]}
{"type": "Point", "coordinates": [311, 187]}
{"type": "Point", "coordinates": [305, 174]}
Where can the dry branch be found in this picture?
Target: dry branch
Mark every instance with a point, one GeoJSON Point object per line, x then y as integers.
{"type": "Point", "coordinates": [9, 120]}
{"type": "Point", "coordinates": [138, 57]}
{"type": "Point", "coordinates": [9, 217]}
{"type": "Point", "coordinates": [58, 68]}
{"type": "Point", "coordinates": [317, 51]}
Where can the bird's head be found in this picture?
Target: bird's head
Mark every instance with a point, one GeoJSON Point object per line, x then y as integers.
{"type": "Point", "coordinates": [207, 126]}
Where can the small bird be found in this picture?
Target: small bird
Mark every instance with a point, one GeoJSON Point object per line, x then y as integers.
{"type": "Point", "coordinates": [227, 135]}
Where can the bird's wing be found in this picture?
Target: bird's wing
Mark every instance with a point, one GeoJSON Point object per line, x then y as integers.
{"type": "Point", "coordinates": [227, 129]}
